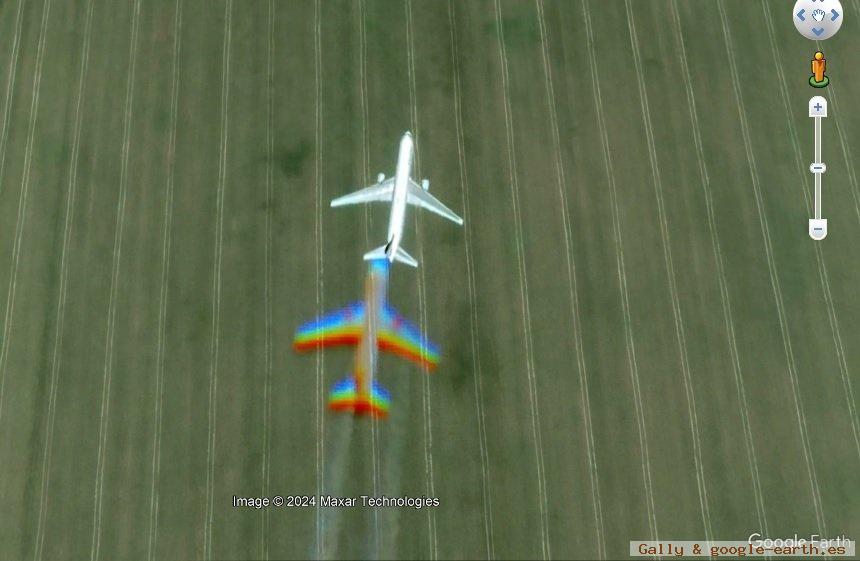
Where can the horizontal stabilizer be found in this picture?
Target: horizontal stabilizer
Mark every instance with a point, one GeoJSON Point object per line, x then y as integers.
{"type": "Point", "coordinates": [345, 396]}
{"type": "Point", "coordinates": [381, 252]}
{"type": "Point", "coordinates": [378, 253]}
{"type": "Point", "coordinates": [404, 257]}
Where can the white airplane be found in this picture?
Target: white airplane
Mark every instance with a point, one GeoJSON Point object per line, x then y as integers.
{"type": "Point", "coordinates": [398, 190]}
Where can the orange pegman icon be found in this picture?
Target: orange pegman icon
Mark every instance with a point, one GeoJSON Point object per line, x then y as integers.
{"type": "Point", "coordinates": [818, 78]}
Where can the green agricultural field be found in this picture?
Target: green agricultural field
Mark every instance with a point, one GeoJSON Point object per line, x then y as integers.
{"type": "Point", "coordinates": [639, 339]}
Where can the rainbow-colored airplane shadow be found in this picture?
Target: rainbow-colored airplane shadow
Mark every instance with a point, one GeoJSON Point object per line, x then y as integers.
{"type": "Point", "coordinates": [370, 325]}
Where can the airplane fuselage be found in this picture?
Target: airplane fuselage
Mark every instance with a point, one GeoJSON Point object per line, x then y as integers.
{"type": "Point", "coordinates": [397, 218]}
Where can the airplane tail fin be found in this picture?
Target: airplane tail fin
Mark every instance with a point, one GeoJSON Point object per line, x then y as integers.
{"type": "Point", "coordinates": [344, 396]}
{"type": "Point", "coordinates": [381, 252]}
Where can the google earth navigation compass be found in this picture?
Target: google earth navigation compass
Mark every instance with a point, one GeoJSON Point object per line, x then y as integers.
{"type": "Point", "coordinates": [818, 19]}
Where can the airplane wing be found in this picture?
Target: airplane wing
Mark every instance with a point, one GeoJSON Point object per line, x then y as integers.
{"type": "Point", "coordinates": [341, 327]}
{"type": "Point", "coordinates": [398, 336]}
{"type": "Point", "coordinates": [419, 197]}
{"type": "Point", "coordinates": [379, 192]}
